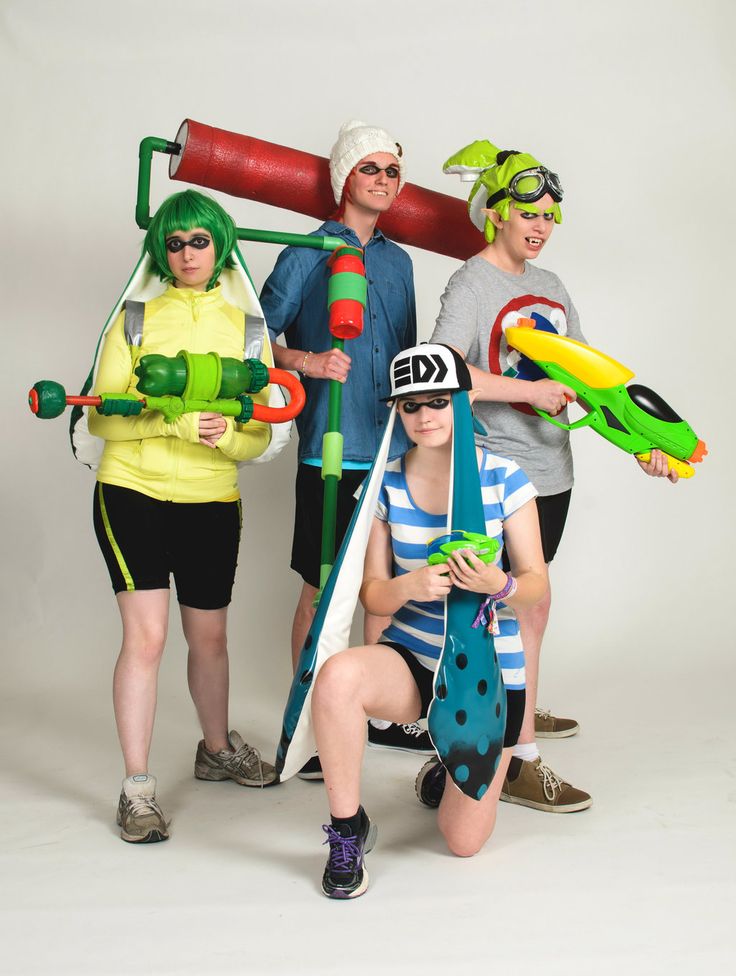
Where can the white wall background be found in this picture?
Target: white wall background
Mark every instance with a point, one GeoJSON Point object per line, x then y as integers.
{"type": "Point", "coordinates": [631, 102]}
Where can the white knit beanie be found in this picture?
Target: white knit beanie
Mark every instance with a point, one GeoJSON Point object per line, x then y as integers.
{"type": "Point", "coordinates": [355, 141]}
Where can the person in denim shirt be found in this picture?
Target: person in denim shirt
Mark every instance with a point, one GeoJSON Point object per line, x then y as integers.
{"type": "Point", "coordinates": [367, 172]}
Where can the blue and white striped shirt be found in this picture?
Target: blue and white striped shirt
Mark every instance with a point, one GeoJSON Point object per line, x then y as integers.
{"type": "Point", "coordinates": [420, 626]}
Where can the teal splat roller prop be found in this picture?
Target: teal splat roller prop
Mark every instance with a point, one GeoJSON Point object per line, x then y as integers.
{"type": "Point", "coordinates": [467, 718]}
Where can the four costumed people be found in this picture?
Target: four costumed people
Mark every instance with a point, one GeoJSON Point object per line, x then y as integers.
{"type": "Point", "coordinates": [441, 638]}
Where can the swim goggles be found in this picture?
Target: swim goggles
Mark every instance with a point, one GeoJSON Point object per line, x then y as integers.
{"type": "Point", "coordinates": [528, 186]}
{"type": "Point", "coordinates": [199, 242]}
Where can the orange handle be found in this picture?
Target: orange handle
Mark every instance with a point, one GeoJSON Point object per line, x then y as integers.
{"type": "Point", "coordinates": [297, 399]}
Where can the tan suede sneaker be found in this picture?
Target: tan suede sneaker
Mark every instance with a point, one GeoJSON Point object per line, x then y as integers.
{"type": "Point", "coordinates": [532, 784]}
{"type": "Point", "coordinates": [549, 726]}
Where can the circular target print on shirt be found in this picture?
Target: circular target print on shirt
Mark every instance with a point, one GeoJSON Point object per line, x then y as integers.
{"type": "Point", "coordinates": [548, 315]}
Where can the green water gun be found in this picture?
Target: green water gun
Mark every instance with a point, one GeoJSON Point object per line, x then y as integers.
{"type": "Point", "coordinates": [186, 383]}
{"type": "Point", "coordinates": [442, 547]}
{"type": "Point", "coordinates": [634, 418]}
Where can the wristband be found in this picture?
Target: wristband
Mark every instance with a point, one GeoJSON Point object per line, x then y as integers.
{"type": "Point", "coordinates": [487, 612]}
{"type": "Point", "coordinates": [303, 370]}
{"type": "Point", "coordinates": [508, 590]}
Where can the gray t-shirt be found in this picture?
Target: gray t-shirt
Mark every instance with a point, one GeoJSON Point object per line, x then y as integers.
{"type": "Point", "coordinates": [479, 303]}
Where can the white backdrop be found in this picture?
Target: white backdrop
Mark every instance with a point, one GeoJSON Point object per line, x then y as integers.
{"type": "Point", "coordinates": [630, 102]}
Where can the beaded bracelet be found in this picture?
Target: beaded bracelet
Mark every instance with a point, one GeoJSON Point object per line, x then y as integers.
{"type": "Point", "coordinates": [303, 370]}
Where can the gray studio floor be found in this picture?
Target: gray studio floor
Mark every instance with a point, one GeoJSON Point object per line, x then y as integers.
{"type": "Point", "coordinates": [640, 883]}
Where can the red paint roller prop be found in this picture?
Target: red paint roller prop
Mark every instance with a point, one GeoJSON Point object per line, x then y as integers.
{"type": "Point", "coordinates": [293, 180]}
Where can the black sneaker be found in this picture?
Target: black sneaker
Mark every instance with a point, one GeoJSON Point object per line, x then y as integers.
{"type": "Point", "coordinates": [345, 874]}
{"type": "Point", "coordinates": [430, 783]}
{"type": "Point", "coordinates": [404, 738]}
{"type": "Point", "coordinates": [312, 769]}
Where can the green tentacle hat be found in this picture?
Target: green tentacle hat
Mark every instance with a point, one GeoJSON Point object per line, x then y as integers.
{"type": "Point", "coordinates": [492, 171]}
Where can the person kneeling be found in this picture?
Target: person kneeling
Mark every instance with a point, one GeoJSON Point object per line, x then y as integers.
{"type": "Point", "coordinates": [393, 680]}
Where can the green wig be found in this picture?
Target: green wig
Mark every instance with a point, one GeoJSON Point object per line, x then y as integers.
{"type": "Point", "coordinates": [184, 211]}
{"type": "Point", "coordinates": [492, 170]}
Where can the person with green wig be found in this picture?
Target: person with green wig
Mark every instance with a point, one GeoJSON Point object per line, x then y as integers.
{"type": "Point", "coordinates": [515, 202]}
{"type": "Point", "coordinates": [167, 501]}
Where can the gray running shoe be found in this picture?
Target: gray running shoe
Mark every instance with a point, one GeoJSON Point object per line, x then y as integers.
{"type": "Point", "coordinates": [243, 764]}
{"type": "Point", "coordinates": [140, 818]}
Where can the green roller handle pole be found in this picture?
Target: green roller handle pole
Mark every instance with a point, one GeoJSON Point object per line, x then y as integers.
{"type": "Point", "coordinates": [331, 474]}
{"type": "Point", "coordinates": [346, 299]}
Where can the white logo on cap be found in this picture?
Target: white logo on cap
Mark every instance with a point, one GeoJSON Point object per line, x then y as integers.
{"type": "Point", "coordinates": [419, 368]}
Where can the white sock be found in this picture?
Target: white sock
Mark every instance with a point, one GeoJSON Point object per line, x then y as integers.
{"type": "Point", "coordinates": [379, 723]}
{"type": "Point", "coordinates": [526, 750]}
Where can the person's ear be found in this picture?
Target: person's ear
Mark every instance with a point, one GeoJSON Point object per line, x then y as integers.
{"type": "Point", "coordinates": [494, 216]}
{"type": "Point", "coordinates": [473, 396]}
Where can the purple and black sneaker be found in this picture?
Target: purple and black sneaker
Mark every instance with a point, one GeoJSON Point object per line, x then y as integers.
{"type": "Point", "coordinates": [345, 873]}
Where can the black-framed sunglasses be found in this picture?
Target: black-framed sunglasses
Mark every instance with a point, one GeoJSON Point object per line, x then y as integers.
{"type": "Point", "coordinates": [199, 242]}
{"type": "Point", "coordinates": [370, 169]}
{"type": "Point", "coordinates": [412, 406]}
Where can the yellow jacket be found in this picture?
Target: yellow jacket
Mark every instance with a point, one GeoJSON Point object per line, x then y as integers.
{"type": "Point", "coordinates": [166, 461]}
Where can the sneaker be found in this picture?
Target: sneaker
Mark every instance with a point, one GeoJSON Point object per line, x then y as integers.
{"type": "Point", "coordinates": [243, 764]}
{"type": "Point", "coordinates": [430, 783]}
{"type": "Point", "coordinates": [345, 873]}
{"type": "Point", "coordinates": [140, 818]}
{"type": "Point", "coordinates": [403, 738]}
{"type": "Point", "coordinates": [548, 726]}
{"type": "Point", "coordinates": [532, 784]}
{"type": "Point", "coordinates": [312, 769]}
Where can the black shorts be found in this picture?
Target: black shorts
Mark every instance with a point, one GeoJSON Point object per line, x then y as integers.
{"type": "Point", "coordinates": [552, 511]}
{"type": "Point", "coordinates": [424, 678]}
{"type": "Point", "coordinates": [306, 548]}
{"type": "Point", "coordinates": [143, 540]}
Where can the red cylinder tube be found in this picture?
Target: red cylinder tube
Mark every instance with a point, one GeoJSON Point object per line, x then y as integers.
{"type": "Point", "coordinates": [293, 180]}
{"type": "Point", "coordinates": [346, 318]}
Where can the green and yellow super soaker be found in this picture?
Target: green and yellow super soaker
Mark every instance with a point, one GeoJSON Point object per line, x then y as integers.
{"type": "Point", "coordinates": [634, 418]}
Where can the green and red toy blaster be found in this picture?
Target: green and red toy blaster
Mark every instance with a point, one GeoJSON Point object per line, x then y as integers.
{"type": "Point", "coordinates": [634, 418]}
{"type": "Point", "coordinates": [186, 383]}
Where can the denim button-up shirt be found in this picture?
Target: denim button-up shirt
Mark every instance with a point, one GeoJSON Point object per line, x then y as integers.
{"type": "Point", "coordinates": [294, 302]}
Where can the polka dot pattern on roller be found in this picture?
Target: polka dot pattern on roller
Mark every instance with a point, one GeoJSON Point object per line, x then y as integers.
{"type": "Point", "coordinates": [467, 717]}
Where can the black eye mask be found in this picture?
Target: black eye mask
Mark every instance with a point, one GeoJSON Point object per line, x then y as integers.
{"type": "Point", "coordinates": [412, 406]}
{"type": "Point", "coordinates": [370, 169]}
{"type": "Point", "coordinates": [198, 242]}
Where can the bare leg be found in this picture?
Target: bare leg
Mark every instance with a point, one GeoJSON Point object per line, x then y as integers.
{"type": "Point", "coordinates": [303, 617]}
{"type": "Point", "coordinates": [351, 685]}
{"type": "Point", "coordinates": [373, 626]}
{"type": "Point", "coordinates": [208, 672]}
{"type": "Point", "coordinates": [467, 824]}
{"type": "Point", "coordinates": [533, 623]}
{"type": "Point", "coordinates": [145, 616]}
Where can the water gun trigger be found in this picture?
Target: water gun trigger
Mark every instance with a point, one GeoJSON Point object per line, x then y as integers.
{"type": "Point", "coordinates": [584, 421]}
